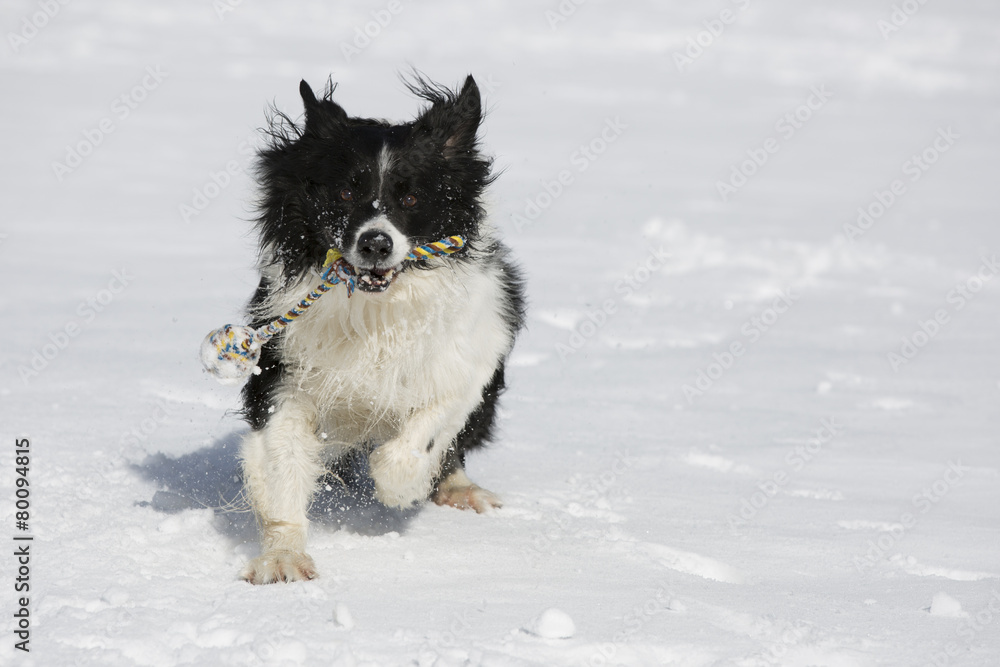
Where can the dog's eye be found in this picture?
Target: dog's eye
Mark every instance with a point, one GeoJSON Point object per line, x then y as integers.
{"type": "Point", "coordinates": [409, 201]}
{"type": "Point", "coordinates": [346, 195]}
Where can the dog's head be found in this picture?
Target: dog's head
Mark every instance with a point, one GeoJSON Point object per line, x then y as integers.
{"type": "Point", "coordinates": [369, 188]}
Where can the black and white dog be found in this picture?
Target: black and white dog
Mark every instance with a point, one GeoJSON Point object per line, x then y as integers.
{"type": "Point", "coordinates": [407, 369]}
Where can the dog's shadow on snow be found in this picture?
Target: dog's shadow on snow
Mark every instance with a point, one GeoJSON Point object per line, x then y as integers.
{"type": "Point", "coordinates": [211, 478]}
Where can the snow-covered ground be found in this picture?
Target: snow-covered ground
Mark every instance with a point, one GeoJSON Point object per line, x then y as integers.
{"type": "Point", "coordinates": [744, 427]}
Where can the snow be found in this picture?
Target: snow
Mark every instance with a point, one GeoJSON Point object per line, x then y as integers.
{"type": "Point", "coordinates": [945, 605]}
{"type": "Point", "coordinates": [552, 624]}
{"type": "Point", "coordinates": [342, 617]}
{"type": "Point", "coordinates": [748, 424]}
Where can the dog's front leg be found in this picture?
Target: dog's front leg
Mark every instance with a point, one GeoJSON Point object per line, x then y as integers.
{"type": "Point", "coordinates": [281, 464]}
{"type": "Point", "coordinates": [404, 468]}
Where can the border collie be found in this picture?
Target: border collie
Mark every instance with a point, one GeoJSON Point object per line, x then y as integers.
{"type": "Point", "coordinates": [408, 368]}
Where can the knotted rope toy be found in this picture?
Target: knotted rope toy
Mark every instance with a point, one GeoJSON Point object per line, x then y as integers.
{"type": "Point", "coordinates": [231, 353]}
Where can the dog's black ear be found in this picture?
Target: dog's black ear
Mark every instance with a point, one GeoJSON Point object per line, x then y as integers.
{"type": "Point", "coordinates": [321, 113]}
{"type": "Point", "coordinates": [468, 115]}
{"type": "Point", "coordinates": [308, 96]}
{"type": "Point", "coordinates": [453, 118]}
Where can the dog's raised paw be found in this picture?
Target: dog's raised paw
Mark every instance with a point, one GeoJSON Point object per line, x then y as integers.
{"type": "Point", "coordinates": [280, 565]}
{"type": "Point", "coordinates": [468, 497]}
{"type": "Point", "coordinates": [402, 475]}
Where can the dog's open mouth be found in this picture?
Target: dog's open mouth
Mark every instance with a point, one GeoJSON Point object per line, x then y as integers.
{"type": "Point", "coordinates": [376, 280]}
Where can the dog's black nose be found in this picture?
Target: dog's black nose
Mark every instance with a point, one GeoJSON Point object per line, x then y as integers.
{"type": "Point", "coordinates": [374, 245]}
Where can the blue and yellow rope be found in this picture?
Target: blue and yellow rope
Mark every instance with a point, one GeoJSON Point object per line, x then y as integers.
{"type": "Point", "coordinates": [231, 352]}
{"type": "Point", "coordinates": [443, 247]}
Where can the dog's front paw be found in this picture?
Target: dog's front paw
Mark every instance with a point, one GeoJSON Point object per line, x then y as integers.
{"type": "Point", "coordinates": [468, 497]}
{"type": "Point", "coordinates": [280, 565]}
{"type": "Point", "coordinates": [402, 476]}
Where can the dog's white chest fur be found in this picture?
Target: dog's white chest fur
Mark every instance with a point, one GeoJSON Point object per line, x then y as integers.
{"type": "Point", "coordinates": [368, 361]}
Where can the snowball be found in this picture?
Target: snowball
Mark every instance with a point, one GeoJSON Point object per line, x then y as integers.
{"type": "Point", "coordinates": [677, 605]}
{"type": "Point", "coordinates": [115, 596]}
{"type": "Point", "coordinates": [552, 624]}
{"type": "Point", "coordinates": [945, 605]}
{"type": "Point", "coordinates": [342, 617]}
